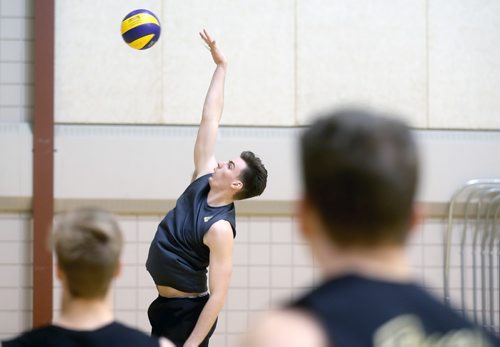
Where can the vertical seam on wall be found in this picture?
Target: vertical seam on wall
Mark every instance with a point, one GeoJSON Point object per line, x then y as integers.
{"type": "Point", "coordinates": [249, 268]}
{"type": "Point", "coordinates": [137, 267]}
{"type": "Point", "coordinates": [271, 264]}
{"type": "Point", "coordinates": [1, 32]}
{"type": "Point", "coordinates": [162, 88]}
{"type": "Point", "coordinates": [295, 64]}
{"type": "Point", "coordinates": [427, 75]}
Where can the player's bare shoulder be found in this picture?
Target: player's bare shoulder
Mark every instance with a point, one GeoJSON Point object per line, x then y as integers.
{"type": "Point", "coordinates": [220, 233]}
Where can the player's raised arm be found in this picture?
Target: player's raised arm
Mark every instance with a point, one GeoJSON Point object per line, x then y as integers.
{"type": "Point", "coordinates": [204, 158]}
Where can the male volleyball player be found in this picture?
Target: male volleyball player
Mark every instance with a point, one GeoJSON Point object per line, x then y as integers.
{"type": "Point", "coordinates": [359, 172]}
{"type": "Point", "coordinates": [87, 243]}
{"type": "Point", "coordinates": [199, 231]}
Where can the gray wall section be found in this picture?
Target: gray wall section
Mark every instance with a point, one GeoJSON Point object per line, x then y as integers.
{"type": "Point", "coordinates": [436, 63]}
{"type": "Point", "coordinates": [137, 164]}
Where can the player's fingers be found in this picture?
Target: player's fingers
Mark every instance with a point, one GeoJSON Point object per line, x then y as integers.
{"type": "Point", "coordinates": [207, 35]}
{"type": "Point", "coordinates": [203, 37]}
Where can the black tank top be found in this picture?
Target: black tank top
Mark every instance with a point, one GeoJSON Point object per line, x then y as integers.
{"type": "Point", "coordinates": [177, 256]}
{"type": "Point", "coordinates": [361, 312]}
{"type": "Point", "coordinates": [114, 334]}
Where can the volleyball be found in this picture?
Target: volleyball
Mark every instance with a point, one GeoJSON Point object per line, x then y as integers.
{"type": "Point", "coordinates": [140, 29]}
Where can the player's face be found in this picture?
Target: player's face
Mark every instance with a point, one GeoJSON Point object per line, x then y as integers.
{"type": "Point", "coordinates": [226, 173]}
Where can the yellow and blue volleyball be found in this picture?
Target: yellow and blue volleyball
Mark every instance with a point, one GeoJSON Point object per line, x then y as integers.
{"type": "Point", "coordinates": [140, 29]}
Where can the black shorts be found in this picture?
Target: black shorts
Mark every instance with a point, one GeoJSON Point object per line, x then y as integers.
{"type": "Point", "coordinates": [175, 318]}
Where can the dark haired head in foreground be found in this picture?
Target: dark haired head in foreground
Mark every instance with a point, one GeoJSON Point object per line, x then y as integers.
{"type": "Point", "coordinates": [360, 174]}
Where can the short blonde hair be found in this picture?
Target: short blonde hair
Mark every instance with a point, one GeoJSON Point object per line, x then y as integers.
{"type": "Point", "coordinates": [88, 244]}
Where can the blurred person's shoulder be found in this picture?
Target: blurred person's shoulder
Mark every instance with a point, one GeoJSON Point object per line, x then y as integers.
{"type": "Point", "coordinates": [286, 328]}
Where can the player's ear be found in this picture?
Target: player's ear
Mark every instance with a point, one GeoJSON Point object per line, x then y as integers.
{"type": "Point", "coordinates": [118, 269]}
{"type": "Point", "coordinates": [304, 214]}
{"type": "Point", "coordinates": [416, 217]}
{"type": "Point", "coordinates": [310, 222]}
{"type": "Point", "coordinates": [237, 185]}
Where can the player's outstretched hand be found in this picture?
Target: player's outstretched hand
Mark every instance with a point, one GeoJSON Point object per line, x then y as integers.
{"type": "Point", "coordinates": [217, 55]}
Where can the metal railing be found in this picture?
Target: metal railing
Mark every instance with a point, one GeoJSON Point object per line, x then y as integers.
{"type": "Point", "coordinates": [479, 242]}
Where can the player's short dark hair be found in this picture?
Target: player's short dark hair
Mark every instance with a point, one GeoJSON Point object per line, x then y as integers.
{"type": "Point", "coordinates": [253, 177]}
{"type": "Point", "coordinates": [360, 172]}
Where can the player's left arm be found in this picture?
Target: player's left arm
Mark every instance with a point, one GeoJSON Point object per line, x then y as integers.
{"type": "Point", "coordinates": [219, 239]}
{"type": "Point", "coordinates": [204, 148]}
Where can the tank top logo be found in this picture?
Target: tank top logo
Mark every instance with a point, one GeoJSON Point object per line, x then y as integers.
{"type": "Point", "coordinates": [407, 330]}
{"type": "Point", "coordinates": [206, 219]}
